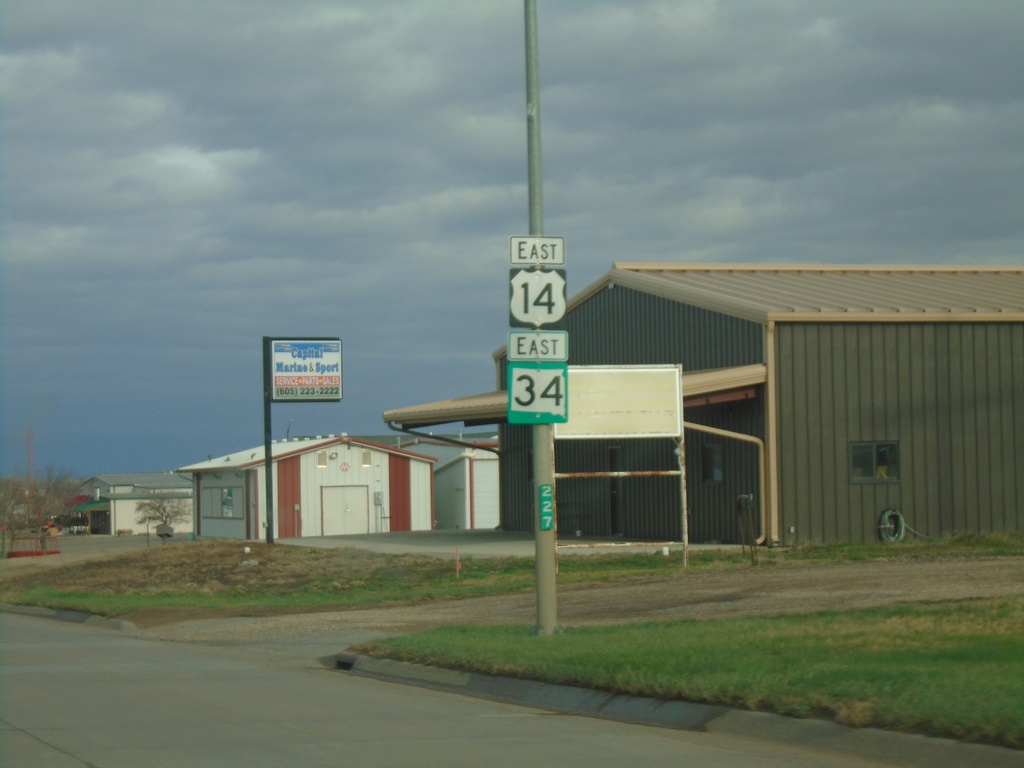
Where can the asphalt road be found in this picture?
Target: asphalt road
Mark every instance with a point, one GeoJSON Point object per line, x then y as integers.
{"type": "Point", "coordinates": [85, 694]}
{"type": "Point", "coordinates": [78, 695]}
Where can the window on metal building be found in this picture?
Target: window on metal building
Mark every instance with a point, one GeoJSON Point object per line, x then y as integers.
{"type": "Point", "coordinates": [712, 469]}
{"type": "Point", "coordinates": [875, 462]}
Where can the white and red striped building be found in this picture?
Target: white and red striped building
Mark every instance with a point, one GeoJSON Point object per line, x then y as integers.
{"type": "Point", "coordinates": [323, 486]}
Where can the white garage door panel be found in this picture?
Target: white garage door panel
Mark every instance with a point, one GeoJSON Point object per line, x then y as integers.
{"type": "Point", "coordinates": [486, 500]}
{"type": "Point", "coordinates": [345, 509]}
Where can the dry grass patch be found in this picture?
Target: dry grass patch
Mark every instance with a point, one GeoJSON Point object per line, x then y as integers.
{"type": "Point", "coordinates": [216, 567]}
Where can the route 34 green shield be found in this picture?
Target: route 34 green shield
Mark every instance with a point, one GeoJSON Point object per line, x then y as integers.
{"type": "Point", "coordinates": [538, 393]}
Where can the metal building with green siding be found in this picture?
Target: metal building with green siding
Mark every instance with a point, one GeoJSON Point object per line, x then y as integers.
{"type": "Point", "coordinates": [871, 387]}
{"type": "Point", "coordinates": [923, 417]}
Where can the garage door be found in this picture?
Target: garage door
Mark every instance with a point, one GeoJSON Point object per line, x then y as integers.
{"type": "Point", "coordinates": [345, 509]}
{"type": "Point", "coordinates": [486, 500]}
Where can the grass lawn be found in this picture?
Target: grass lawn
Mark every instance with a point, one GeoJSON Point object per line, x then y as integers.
{"type": "Point", "coordinates": [951, 670]}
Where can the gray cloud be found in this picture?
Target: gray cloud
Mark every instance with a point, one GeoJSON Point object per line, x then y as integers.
{"type": "Point", "coordinates": [181, 179]}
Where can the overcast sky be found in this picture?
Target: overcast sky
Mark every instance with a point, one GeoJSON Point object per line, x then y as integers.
{"type": "Point", "coordinates": [180, 179]}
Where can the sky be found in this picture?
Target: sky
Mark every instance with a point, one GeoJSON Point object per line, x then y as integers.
{"type": "Point", "coordinates": [180, 179]}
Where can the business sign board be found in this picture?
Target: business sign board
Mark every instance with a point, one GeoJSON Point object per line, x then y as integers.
{"type": "Point", "coordinates": [623, 402]}
{"type": "Point", "coordinates": [305, 370]}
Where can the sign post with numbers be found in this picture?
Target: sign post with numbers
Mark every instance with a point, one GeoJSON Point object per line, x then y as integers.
{"type": "Point", "coordinates": [546, 505]}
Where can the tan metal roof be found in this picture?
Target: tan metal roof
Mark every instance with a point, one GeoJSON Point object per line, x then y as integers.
{"type": "Point", "coordinates": [723, 379]}
{"type": "Point", "coordinates": [831, 292]}
{"type": "Point", "coordinates": [485, 408]}
{"type": "Point", "coordinates": [492, 407]}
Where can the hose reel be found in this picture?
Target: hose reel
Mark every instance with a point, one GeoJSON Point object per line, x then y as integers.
{"type": "Point", "coordinates": [891, 525]}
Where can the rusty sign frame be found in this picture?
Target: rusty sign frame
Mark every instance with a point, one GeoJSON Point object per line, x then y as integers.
{"type": "Point", "coordinates": [623, 394]}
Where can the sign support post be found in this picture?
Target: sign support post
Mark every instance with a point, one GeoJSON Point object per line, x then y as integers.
{"type": "Point", "coordinates": [543, 434]}
{"type": "Point", "coordinates": [268, 460]}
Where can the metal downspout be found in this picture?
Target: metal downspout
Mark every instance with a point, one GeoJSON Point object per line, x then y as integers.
{"type": "Point", "coordinates": [762, 503]}
{"type": "Point", "coordinates": [771, 391]}
{"type": "Point", "coordinates": [441, 438]}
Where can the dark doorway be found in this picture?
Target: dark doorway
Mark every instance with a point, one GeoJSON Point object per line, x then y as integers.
{"type": "Point", "coordinates": [615, 492]}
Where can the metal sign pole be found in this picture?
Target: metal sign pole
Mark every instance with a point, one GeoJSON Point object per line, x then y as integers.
{"type": "Point", "coordinates": [543, 434]}
{"type": "Point", "coordinates": [268, 460]}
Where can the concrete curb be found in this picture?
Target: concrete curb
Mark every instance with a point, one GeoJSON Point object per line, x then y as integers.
{"type": "Point", "coordinates": [888, 747]}
{"type": "Point", "coordinates": [531, 693]}
{"type": "Point", "coordinates": [75, 617]}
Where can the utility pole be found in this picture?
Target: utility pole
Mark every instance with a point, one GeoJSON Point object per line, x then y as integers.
{"type": "Point", "coordinates": [543, 434]}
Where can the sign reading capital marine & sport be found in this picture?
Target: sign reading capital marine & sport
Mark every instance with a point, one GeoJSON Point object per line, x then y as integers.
{"type": "Point", "coordinates": [305, 370]}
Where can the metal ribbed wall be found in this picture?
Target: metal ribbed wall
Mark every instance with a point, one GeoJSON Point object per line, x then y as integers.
{"type": "Point", "coordinates": [951, 394]}
{"type": "Point", "coordinates": [623, 327]}
{"type": "Point", "coordinates": [516, 481]}
{"type": "Point", "coordinates": [712, 504]}
{"type": "Point", "coordinates": [619, 326]}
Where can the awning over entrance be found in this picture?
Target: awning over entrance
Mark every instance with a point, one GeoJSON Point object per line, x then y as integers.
{"type": "Point", "coordinates": [92, 506]}
{"type": "Point", "coordinates": [486, 408]}
{"type": "Point", "coordinates": [699, 388]}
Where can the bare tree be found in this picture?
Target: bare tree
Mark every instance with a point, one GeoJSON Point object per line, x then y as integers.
{"type": "Point", "coordinates": [14, 509]}
{"type": "Point", "coordinates": [160, 509]}
{"type": "Point", "coordinates": [53, 490]}
{"type": "Point", "coordinates": [27, 503]}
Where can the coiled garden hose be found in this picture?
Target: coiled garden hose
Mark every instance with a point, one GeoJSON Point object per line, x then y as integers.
{"type": "Point", "coordinates": [891, 526]}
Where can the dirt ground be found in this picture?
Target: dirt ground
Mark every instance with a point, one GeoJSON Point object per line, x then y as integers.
{"type": "Point", "coordinates": [763, 590]}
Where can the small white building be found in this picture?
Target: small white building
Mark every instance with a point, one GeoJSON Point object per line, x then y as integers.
{"type": "Point", "coordinates": [323, 486]}
{"type": "Point", "coordinates": [466, 482]}
{"type": "Point", "coordinates": [108, 504]}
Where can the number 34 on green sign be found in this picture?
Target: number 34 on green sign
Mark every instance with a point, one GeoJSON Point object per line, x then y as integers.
{"type": "Point", "coordinates": [538, 393]}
